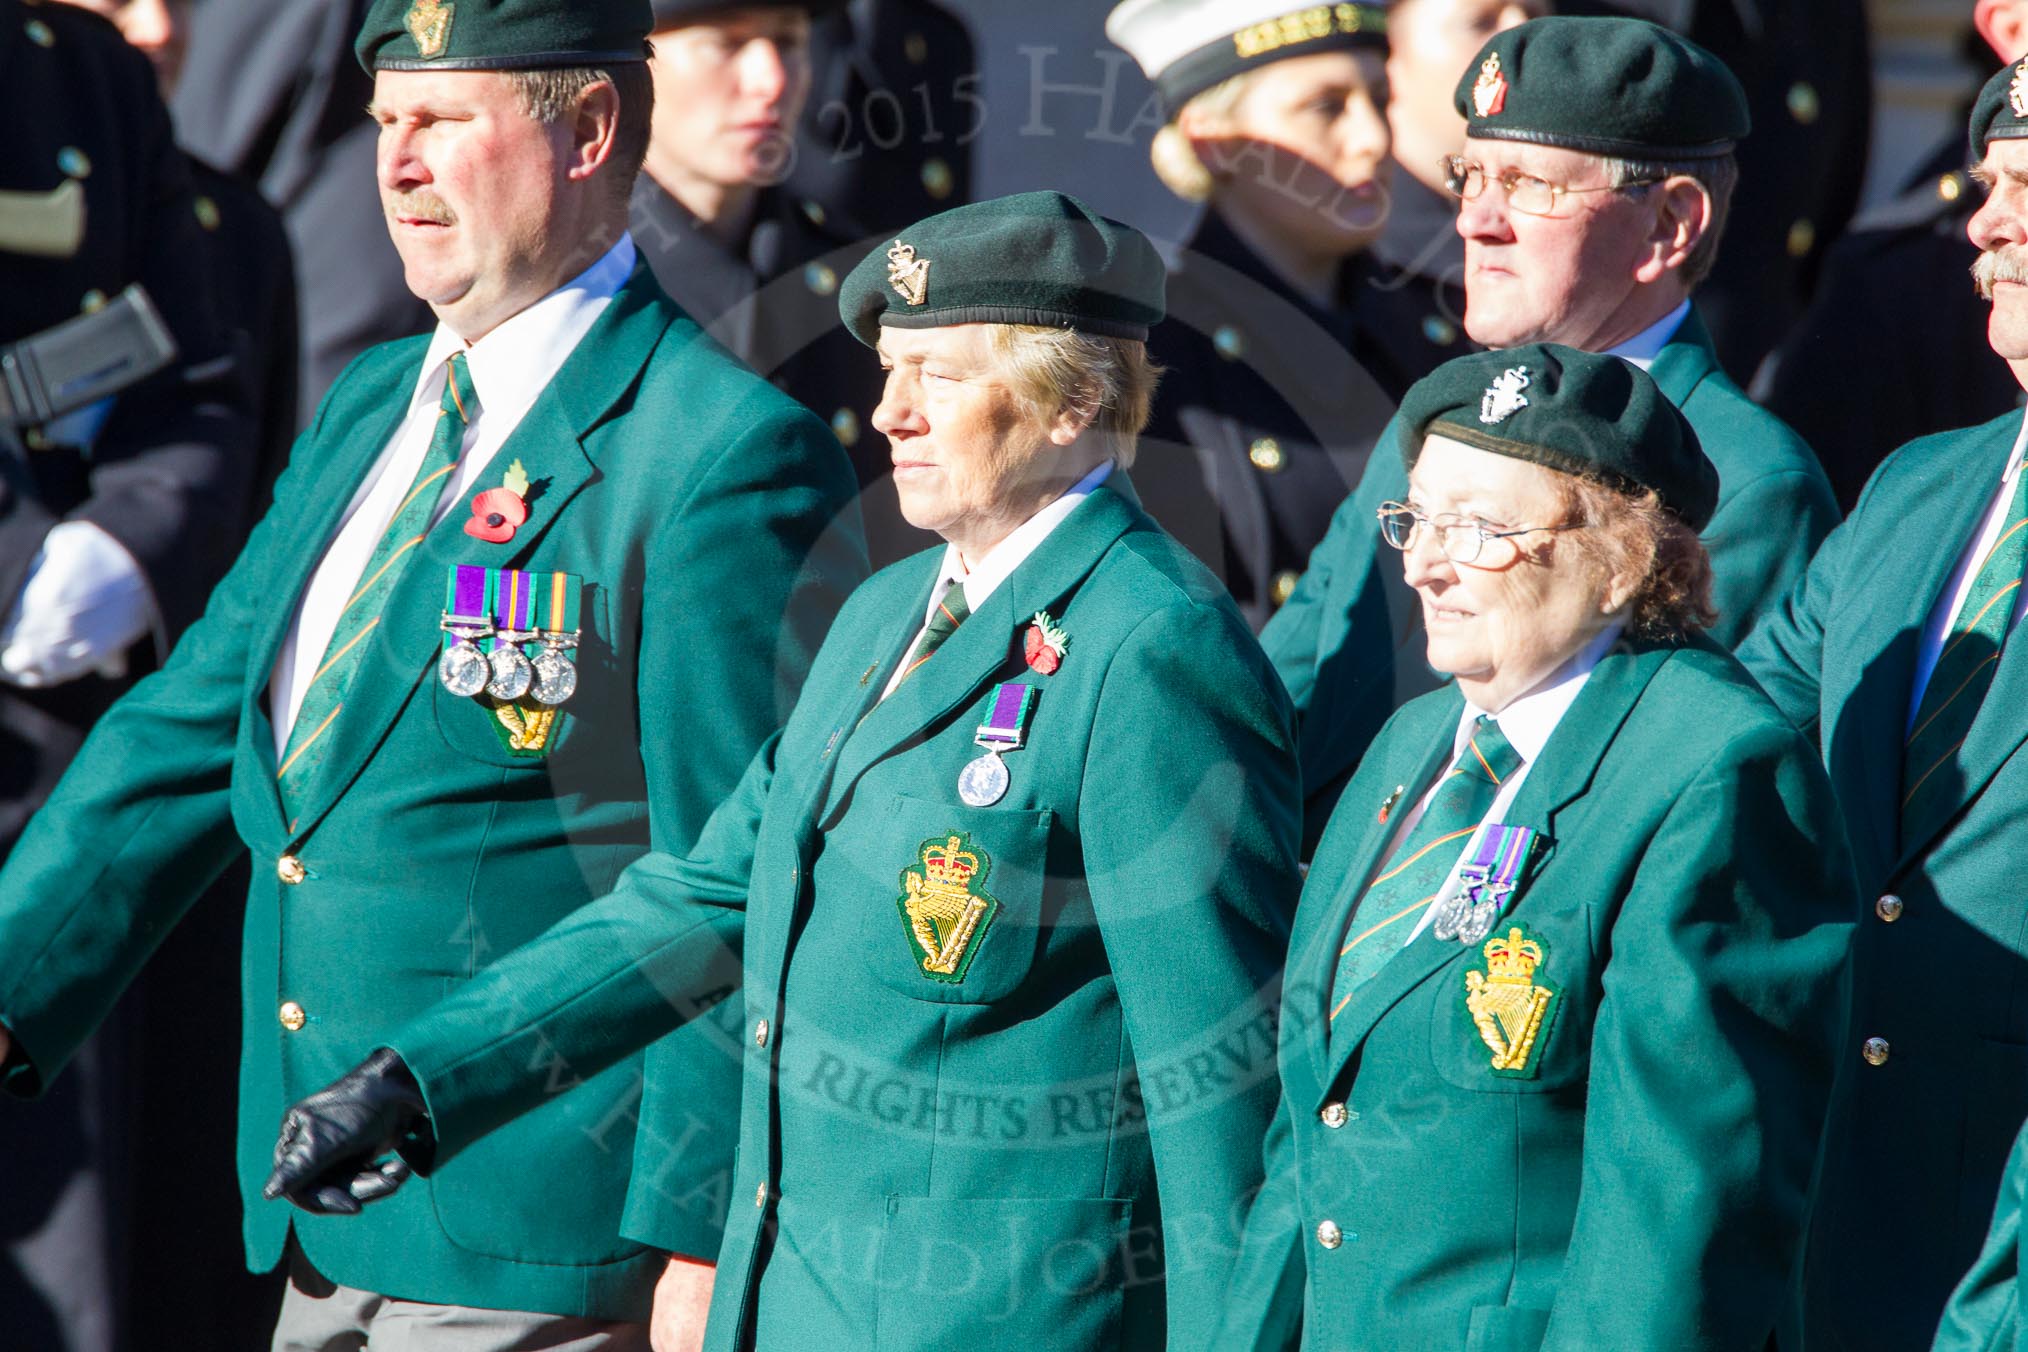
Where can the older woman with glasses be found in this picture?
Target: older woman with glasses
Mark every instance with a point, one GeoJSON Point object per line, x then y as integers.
{"type": "Point", "coordinates": [1564, 985]}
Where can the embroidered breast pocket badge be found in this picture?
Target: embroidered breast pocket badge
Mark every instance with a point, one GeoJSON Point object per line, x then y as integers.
{"type": "Point", "coordinates": [946, 906]}
{"type": "Point", "coordinates": [1512, 1002]}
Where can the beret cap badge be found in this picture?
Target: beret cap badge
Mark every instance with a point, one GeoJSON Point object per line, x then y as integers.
{"type": "Point", "coordinates": [1489, 91]}
{"type": "Point", "coordinates": [1503, 398]}
{"type": "Point", "coordinates": [907, 274]}
{"type": "Point", "coordinates": [429, 23]}
{"type": "Point", "coordinates": [2017, 90]}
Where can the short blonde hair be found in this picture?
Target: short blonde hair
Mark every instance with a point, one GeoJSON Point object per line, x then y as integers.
{"type": "Point", "coordinates": [1635, 535]}
{"type": "Point", "coordinates": [1176, 161]}
{"type": "Point", "coordinates": [1109, 383]}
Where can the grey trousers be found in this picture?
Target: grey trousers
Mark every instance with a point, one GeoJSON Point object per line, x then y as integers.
{"type": "Point", "coordinates": [319, 1315]}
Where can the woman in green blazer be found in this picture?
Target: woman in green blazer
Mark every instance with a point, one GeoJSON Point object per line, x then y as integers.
{"type": "Point", "coordinates": [1010, 892]}
{"type": "Point", "coordinates": [1557, 1032]}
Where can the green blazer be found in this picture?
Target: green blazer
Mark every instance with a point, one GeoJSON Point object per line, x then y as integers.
{"type": "Point", "coordinates": [1003, 1157]}
{"type": "Point", "coordinates": [1984, 1314]}
{"type": "Point", "coordinates": [1692, 912]}
{"type": "Point", "coordinates": [710, 520]}
{"type": "Point", "coordinates": [1940, 962]}
{"type": "Point", "coordinates": [1349, 643]}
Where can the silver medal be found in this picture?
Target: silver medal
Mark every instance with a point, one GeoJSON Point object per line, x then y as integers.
{"type": "Point", "coordinates": [463, 668]}
{"type": "Point", "coordinates": [512, 673]}
{"type": "Point", "coordinates": [983, 782]}
{"type": "Point", "coordinates": [1476, 926]}
{"type": "Point", "coordinates": [1450, 916]}
{"type": "Point", "coordinates": [555, 677]}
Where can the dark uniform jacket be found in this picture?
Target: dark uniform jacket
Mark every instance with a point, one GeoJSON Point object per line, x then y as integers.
{"type": "Point", "coordinates": [170, 470]}
{"type": "Point", "coordinates": [1940, 963]}
{"type": "Point", "coordinates": [701, 508]}
{"type": "Point", "coordinates": [1641, 1180]}
{"type": "Point", "coordinates": [1268, 408]}
{"type": "Point", "coordinates": [774, 301]}
{"type": "Point", "coordinates": [895, 110]}
{"type": "Point", "coordinates": [1896, 308]}
{"type": "Point", "coordinates": [1985, 1313]}
{"type": "Point", "coordinates": [1048, 1145]}
{"type": "Point", "coordinates": [1808, 72]}
{"type": "Point", "coordinates": [1350, 645]}
{"type": "Point", "coordinates": [273, 93]}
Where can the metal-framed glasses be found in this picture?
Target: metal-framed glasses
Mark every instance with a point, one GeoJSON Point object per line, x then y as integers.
{"type": "Point", "coordinates": [1460, 539]}
{"type": "Point", "coordinates": [1531, 196]}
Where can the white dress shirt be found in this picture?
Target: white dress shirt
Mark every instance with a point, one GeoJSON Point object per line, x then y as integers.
{"type": "Point", "coordinates": [510, 367]}
{"type": "Point", "coordinates": [1000, 561]}
{"type": "Point", "coordinates": [1645, 346]}
{"type": "Point", "coordinates": [1951, 600]}
{"type": "Point", "coordinates": [1527, 724]}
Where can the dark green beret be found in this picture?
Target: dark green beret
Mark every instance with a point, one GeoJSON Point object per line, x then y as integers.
{"type": "Point", "coordinates": [1587, 414]}
{"type": "Point", "coordinates": [1606, 86]}
{"type": "Point", "coordinates": [2002, 109]}
{"type": "Point", "coordinates": [1034, 258]}
{"type": "Point", "coordinates": [675, 13]}
{"type": "Point", "coordinates": [1186, 46]}
{"type": "Point", "coordinates": [502, 34]}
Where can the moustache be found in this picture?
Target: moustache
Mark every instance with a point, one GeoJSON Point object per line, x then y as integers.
{"type": "Point", "coordinates": [421, 206]}
{"type": "Point", "coordinates": [1996, 266]}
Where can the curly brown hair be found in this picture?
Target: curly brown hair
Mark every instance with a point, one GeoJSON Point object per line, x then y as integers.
{"type": "Point", "coordinates": [1633, 534]}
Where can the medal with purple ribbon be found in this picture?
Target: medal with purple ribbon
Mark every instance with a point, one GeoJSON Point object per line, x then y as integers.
{"type": "Point", "coordinates": [468, 617]}
{"type": "Point", "coordinates": [514, 616]}
{"type": "Point", "coordinates": [1485, 881]}
{"type": "Point", "coordinates": [983, 782]}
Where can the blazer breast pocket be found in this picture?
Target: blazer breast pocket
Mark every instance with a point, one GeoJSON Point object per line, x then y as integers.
{"type": "Point", "coordinates": [525, 734]}
{"type": "Point", "coordinates": [955, 911]}
{"type": "Point", "coordinates": [1515, 1015]}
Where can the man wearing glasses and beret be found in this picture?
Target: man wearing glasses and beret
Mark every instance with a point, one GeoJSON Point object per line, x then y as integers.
{"type": "Point", "coordinates": [1595, 181]}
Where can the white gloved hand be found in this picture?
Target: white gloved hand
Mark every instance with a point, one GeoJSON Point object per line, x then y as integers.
{"type": "Point", "coordinates": [84, 604]}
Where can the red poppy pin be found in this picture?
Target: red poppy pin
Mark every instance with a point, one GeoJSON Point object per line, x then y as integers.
{"type": "Point", "coordinates": [1044, 644]}
{"type": "Point", "coordinates": [498, 512]}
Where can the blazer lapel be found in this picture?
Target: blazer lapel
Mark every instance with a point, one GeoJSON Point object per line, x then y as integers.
{"type": "Point", "coordinates": [346, 465]}
{"type": "Point", "coordinates": [1863, 744]}
{"type": "Point", "coordinates": [1558, 779]}
{"type": "Point", "coordinates": [984, 643]}
{"type": "Point", "coordinates": [1426, 737]}
{"type": "Point", "coordinates": [1998, 728]}
{"type": "Point", "coordinates": [549, 443]}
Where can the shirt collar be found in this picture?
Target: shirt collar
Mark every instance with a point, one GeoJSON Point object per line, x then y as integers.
{"type": "Point", "coordinates": [1002, 559]}
{"type": "Point", "coordinates": [1529, 721]}
{"type": "Point", "coordinates": [1645, 346]}
{"type": "Point", "coordinates": [2014, 456]}
{"type": "Point", "coordinates": [511, 365]}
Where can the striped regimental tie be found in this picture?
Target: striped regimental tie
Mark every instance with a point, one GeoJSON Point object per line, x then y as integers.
{"type": "Point", "coordinates": [951, 612]}
{"type": "Point", "coordinates": [1957, 686]}
{"type": "Point", "coordinates": [1386, 915]}
{"type": "Point", "coordinates": [317, 723]}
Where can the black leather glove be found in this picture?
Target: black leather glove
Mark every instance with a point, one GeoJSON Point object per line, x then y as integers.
{"type": "Point", "coordinates": [328, 1160]}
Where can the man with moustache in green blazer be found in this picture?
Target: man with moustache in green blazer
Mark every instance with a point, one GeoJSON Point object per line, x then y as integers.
{"type": "Point", "coordinates": [1595, 181]}
{"type": "Point", "coordinates": [531, 592]}
{"type": "Point", "coordinates": [1012, 887]}
{"type": "Point", "coordinates": [1896, 649]}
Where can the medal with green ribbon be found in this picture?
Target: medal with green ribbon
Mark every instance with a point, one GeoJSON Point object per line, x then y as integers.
{"type": "Point", "coordinates": [983, 782]}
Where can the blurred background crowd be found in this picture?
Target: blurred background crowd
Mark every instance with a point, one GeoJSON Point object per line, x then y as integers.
{"type": "Point", "coordinates": [786, 142]}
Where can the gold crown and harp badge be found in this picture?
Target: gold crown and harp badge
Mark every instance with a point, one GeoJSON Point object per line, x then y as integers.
{"type": "Point", "coordinates": [947, 908]}
{"type": "Point", "coordinates": [908, 274]}
{"type": "Point", "coordinates": [1509, 1006]}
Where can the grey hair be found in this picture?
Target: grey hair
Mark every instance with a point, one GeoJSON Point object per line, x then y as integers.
{"type": "Point", "coordinates": [551, 95]}
{"type": "Point", "coordinates": [1718, 176]}
{"type": "Point", "coordinates": [1109, 383]}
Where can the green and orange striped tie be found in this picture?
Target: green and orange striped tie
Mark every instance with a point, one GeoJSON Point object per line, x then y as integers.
{"type": "Point", "coordinates": [1387, 914]}
{"type": "Point", "coordinates": [951, 612]}
{"type": "Point", "coordinates": [1964, 669]}
{"type": "Point", "coordinates": [311, 739]}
